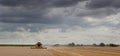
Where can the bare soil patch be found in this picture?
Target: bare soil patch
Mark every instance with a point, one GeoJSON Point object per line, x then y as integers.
{"type": "Point", "coordinates": [23, 51]}
{"type": "Point", "coordinates": [60, 51]}
{"type": "Point", "coordinates": [86, 51]}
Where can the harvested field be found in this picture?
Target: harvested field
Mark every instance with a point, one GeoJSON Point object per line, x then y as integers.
{"type": "Point", "coordinates": [60, 51]}
{"type": "Point", "coordinates": [86, 51]}
{"type": "Point", "coordinates": [23, 51]}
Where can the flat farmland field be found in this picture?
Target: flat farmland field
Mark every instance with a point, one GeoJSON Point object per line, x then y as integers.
{"type": "Point", "coordinates": [23, 51]}
{"type": "Point", "coordinates": [86, 51]}
{"type": "Point", "coordinates": [60, 51]}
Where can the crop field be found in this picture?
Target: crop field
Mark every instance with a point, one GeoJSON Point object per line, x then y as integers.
{"type": "Point", "coordinates": [60, 51]}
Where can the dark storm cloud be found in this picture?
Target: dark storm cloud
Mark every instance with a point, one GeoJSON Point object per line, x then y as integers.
{"type": "Point", "coordinates": [14, 3]}
{"type": "Point", "coordinates": [103, 3]}
{"type": "Point", "coordinates": [56, 3]}
{"type": "Point", "coordinates": [31, 11]}
{"type": "Point", "coordinates": [65, 3]}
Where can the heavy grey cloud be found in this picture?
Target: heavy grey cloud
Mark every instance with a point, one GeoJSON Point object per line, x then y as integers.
{"type": "Point", "coordinates": [31, 11]}
{"type": "Point", "coordinates": [103, 3]}
{"type": "Point", "coordinates": [70, 12]}
{"type": "Point", "coordinates": [52, 21]}
{"type": "Point", "coordinates": [56, 3]}
{"type": "Point", "coordinates": [40, 11]}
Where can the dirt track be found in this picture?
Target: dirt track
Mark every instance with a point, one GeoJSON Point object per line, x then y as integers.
{"type": "Point", "coordinates": [60, 51]}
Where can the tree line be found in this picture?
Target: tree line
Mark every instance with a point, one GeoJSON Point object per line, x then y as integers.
{"type": "Point", "coordinates": [99, 45]}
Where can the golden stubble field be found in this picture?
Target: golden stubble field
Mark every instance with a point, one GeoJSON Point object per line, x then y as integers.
{"type": "Point", "coordinates": [60, 51]}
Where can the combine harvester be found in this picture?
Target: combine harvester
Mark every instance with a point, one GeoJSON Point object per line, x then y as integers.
{"type": "Point", "coordinates": [38, 46]}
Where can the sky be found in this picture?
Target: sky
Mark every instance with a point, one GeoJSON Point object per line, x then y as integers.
{"type": "Point", "coordinates": [59, 21]}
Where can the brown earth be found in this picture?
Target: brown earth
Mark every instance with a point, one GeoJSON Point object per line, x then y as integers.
{"type": "Point", "coordinates": [60, 51]}
{"type": "Point", "coordinates": [23, 51]}
{"type": "Point", "coordinates": [86, 51]}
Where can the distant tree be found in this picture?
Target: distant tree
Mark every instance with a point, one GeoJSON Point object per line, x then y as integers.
{"type": "Point", "coordinates": [113, 45]}
{"type": "Point", "coordinates": [57, 45]}
{"type": "Point", "coordinates": [102, 44]}
{"type": "Point", "coordinates": [77, 44]}
{"type": "Point", "coordinates": [94, 44]}
{"type": "Point", "coordinates": [81, 45]}
{"type": "Point", "coordinates": [71, 44]}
